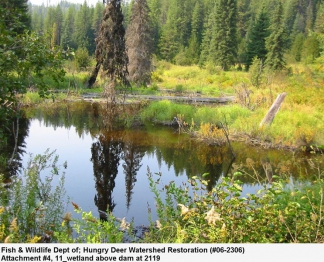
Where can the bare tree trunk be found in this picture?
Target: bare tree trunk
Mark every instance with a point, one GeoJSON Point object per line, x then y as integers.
{"type": "Point", "coordinates": [268, 119]}
{"type": "Point", "coordinates": [94, 75]}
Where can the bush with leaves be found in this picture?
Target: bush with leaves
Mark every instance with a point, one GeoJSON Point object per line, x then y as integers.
{"type": "Point", "coordinates": [274, 214]}
{"type": "Point", "coordinates": [82, 58]}
{"type": "Point", "coordinates": [30, 207]}
{"type": "Point", "coordinates": [256, 72]}
{"type": "Point", "coordinates": [90, 229]}
{"type": "Point", "coordinates": [24, 61]}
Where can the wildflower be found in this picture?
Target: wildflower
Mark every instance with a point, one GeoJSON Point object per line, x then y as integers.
{"type": "Point", "coordinates": [184, 209]}
{"type": "Point", "coordinates": [158, 224]}
{"type": "Point", "coordinates": [212, 216]}
{"type": "Point", "coordinates": [124, 225]}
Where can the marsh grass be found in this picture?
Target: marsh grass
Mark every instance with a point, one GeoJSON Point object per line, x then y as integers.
{"type": "Point", "coordinates": [299, 122]}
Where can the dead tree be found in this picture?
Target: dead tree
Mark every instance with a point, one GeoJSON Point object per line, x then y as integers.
{"type": "Point", "coordinates": [111, 52]}
{"type": "Point", "coordinates": [268, 119]}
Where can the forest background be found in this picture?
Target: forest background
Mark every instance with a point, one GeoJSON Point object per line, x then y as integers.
{"type": "Point", "coordinates": [183, 32]}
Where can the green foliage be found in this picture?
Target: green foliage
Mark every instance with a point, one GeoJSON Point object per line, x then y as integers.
{"type": "Point", "coordinates": [89, 229]}
{"type": "Point", "coordinates": [191, 214]}
{"type": "Point", "coordinates": [32, 202]}
{"type": "Point", "coordinates": [82, 58]}
{"type": "Point", "coordinates": [24, 61]}
{"type": "Point", "coordinates": [276, 43]}
{"type": "Point", "coordinates": [311, 49]}
{"type": "Point", "coordinates": [15, 15]}
{"type": "Point", "coordinates": [257, 38]}
{"type": "Point", "coordinates": [83, 34]}
{"type": "Point", "coordinates": [297, 47]}
{"type": "Point", "coordinates": [220, 38]}
{"type": "Point", "coordinates": [256, 71]}
{"type": "Point", "coordinates": [175, 24]}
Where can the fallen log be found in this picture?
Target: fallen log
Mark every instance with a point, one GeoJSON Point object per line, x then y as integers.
{"type": "Point", "coordinates": [268, 119]}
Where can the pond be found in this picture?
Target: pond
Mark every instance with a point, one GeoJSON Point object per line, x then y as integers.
{"type": "Point", "coordinates": [108, 157]}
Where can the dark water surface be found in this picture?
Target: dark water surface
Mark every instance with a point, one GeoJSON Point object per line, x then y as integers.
{"type": "Point", "coordinates": [107, 163]}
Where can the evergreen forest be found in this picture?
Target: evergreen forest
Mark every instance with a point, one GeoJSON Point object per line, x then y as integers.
{"type": "Point", "coordinates": [226, 33]}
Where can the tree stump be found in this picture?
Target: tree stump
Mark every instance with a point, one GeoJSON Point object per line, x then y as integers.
{"type": "Point", "coordinates": [268, 119]}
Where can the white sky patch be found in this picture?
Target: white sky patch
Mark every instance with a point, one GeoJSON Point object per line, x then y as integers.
{"type": "Point", "coordinates": [55, 2]}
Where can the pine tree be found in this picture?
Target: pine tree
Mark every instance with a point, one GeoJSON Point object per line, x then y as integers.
{"type": "Point", "coordinates": [276, 43]}
{"type": "Point", "coordinates": [83, 34]}
{"type": "Point", "coordinates": [96, 19]}
{"type": "Point", "coordinates": [221, 43]}
{"type": "Point", "coordinates": [54, 38]}
{"type": "Point", "coordinates": [111, 52]}
{"type": "Point", "coordinates": [139, 44]}
{"type": "Point", "coordinates": [68, 29]}
{"type": "Point", "coordinates": [169, 44]}
{"type": "Point", "coordinates": [257, 38]}
{"type": "Point", "coordinates": [59, 24]}
{"type": "Point", "coordinates": [207, 38]}
{"type": "Point", "coordinates": [48, 24]}
{"type": "Point", "coordinates": [155, 13]}
{"type": "Point", "coordinates": [197, 22]}
{"type": "Point", "coordinates": [297, 46]}
{"type": "Point", "coordinates": [319, 22]}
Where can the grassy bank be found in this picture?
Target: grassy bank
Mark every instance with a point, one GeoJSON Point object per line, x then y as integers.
{"type": "Point", "coordinates": [298, 124]}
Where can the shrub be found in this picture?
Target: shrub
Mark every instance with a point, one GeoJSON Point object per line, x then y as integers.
{"type": "Point", "coordinates": [30, 209]}
{"type": "Point", "coordinates": [82, 58]}
{"type": "Point", "coordinates": [275, 214]}
{"type": "Point", "coordinates": [89, 229]}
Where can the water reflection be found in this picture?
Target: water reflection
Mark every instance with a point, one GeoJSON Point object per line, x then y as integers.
{"type": "Point", "coordinates": [132, 156]}
{"type": "Point", "coordinates": [12, 151]}
{"type": "Point", "coordinates": [107, 162]}
{"type": "Point", "coordinates": [106, 154]}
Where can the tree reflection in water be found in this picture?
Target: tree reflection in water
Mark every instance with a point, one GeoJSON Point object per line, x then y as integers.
{"type": "Point", "coordinates": [111, 147]}
{"type": "Point", "coordinates": [106, 153]}
{"type": "Point", "coordinates": [132, 156]}
{"type": "Point", "coordinates": [13, 149]}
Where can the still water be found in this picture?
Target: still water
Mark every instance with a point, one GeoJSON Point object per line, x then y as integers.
{"type": "Point", "coordinates": [107, 163]}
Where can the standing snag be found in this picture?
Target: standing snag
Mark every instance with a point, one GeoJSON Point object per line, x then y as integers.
{"type": "Point", "coordinates": [110, 52]}
{"type": "Point", "coordinates": [139, 44]}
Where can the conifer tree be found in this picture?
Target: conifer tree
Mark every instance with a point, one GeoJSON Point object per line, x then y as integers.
{"type": "Point", "coordinates": [96, 19]}
{"type": "Point", "coordinates": [83, 34]}
{"type": "Point", "coordinates": [155, 13]}
{"type": "Point", "coordinates": [276, 43]}
{"type": "Point", "coordinates": [220, 38]}
{"type": "Point", "coordinates": [257, 38]}
{"type": "Point", "coordinates": [111, 52]}
{"type": "Point", "coordinates": [297, 46]}
{"type": "Point", "coordinates": [319, 22]}
{"type": "Point", "coordinates": [139, 44]}
{"type": "Point", "coordinates": [68, 29]}
{"type": "Point", "coordinates": [169, 43]}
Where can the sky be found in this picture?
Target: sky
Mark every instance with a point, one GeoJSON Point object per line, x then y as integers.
{"type": "Point", "coordinates": [55, 2]}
